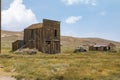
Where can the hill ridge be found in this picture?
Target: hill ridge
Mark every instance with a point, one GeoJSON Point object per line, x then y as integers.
{"type": "Point", "coordinates": [66, 41]}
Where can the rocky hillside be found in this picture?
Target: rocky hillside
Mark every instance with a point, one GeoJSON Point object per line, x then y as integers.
{"type": "Point", "coordinates": [75, 42]}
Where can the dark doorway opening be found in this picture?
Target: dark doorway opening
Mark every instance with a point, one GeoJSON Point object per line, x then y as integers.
{"type": "Point", "coordinates": [48, 42]}
{"type": "Point", "coordinates": [96, 48]}
{"type": "Point", "coordinates": [105, 48]}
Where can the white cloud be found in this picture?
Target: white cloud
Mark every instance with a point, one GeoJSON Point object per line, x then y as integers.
{"type": "Point", "coordinates": [88, 2]}
{"type": "Point", "coordinates": [73, 19]}
{"type": "Point", "coordinates": [17, 16]}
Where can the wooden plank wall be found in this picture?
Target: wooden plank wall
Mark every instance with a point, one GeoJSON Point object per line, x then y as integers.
{"type": "Point", "coordinates": [17, 45]}
{"type": "Point", "coordinates": [49, 28]}
{"type": "Point", "coordinates": [37, 38]}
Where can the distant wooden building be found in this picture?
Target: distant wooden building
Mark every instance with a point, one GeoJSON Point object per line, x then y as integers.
{"type": "Point", "coordinates": [43, 36]}
{"type": "Point", "coordinates": [109, 47]}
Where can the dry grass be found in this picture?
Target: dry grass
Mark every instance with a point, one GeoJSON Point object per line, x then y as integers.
{"type": "Point", "coordinates": [64, 66]}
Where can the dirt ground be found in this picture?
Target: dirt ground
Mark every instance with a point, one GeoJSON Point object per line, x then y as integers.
{"type": "Point", "coordinates": [4, 75]}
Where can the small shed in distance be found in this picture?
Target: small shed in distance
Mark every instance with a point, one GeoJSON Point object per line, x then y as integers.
{"type": "Point", "coordinates": [17, 45]}
{"type": "Point", "coordinates": [109, 47]}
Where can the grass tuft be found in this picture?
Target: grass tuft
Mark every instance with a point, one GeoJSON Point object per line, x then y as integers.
{"type": "Point", "coordinates": [64, 66]}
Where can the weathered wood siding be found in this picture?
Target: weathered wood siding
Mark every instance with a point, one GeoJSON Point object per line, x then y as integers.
{"type": "Point", "coordinates": [109, 47]}
{"type": "Point", "coordinates": [39, 39]}
{"type": "Point", "coordinates": [17, 45]}
{"type": "Point", "coordinates": [92, 48]}
{"type": "Point", "coordinates": [43, 36]}
{"type": "Point", "coordinates": [51, 39]}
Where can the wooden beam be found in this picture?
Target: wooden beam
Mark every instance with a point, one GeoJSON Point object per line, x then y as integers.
{"type": "Point", "coordinates": [0, 26]}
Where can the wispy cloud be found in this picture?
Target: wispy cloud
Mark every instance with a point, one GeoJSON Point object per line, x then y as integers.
{"type": "Point", "coordinates": [73, 19]}
{"type": "Point", "coordinates": [103, 13]}
{"type": "Point", "coordinates": [17, 16]}
{"type": "Point", "coordinates": [87, 2]}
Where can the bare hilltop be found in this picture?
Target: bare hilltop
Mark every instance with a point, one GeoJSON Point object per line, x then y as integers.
{"type": "Point", "coordinates": [66, 41]}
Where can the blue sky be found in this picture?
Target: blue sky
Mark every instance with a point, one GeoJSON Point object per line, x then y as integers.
{"type": "Point", "coordinates": [79, 18]}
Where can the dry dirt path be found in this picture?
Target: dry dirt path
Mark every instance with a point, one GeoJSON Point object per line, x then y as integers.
{"type": "Point", "coordinates": [6, 78]}
{"type": "Point", "coordinates": [5, 75]}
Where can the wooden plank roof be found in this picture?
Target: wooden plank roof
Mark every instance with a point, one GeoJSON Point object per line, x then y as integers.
{"type": "Point", "coordinates": [17, 41]}
{"type": "Point", "coordinates": [104, 45]}
{"type": "Point", "coordinates": [34, 26]}
{"type": "Point", "coordinates": [100, 45]}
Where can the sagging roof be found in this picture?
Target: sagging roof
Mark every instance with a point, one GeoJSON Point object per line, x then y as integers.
{"type": "Point", "coordinates": [17, 41]}
{"type": "Point", "coordinates": [34, 26]}
{"type": "Point", "coordinates": [104, 45]}
{"type": "Point", "coordinates": [100, 45]}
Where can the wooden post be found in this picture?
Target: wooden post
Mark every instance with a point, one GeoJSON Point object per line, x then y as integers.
{"type": "Point", "coordinates": [0, 26]}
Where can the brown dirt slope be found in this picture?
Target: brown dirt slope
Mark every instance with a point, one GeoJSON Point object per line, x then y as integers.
{"type": "Point", "coordinates": [66, 41]}
{"type": "Point", "coordinates": [76, 42]}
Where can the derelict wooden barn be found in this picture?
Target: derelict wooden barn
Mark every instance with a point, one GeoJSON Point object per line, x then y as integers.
{"type": "Point", "coordinates": [108, 47]}
{"type": "Point", "coordinates": [43, 36]}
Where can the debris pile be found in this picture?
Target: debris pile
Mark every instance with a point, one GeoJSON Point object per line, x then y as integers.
{"type": "Point", "coordinates": [27, 51]}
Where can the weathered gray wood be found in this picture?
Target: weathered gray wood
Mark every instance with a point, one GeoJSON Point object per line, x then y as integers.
{"type": "Point", "coordinates": [43, 36]}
